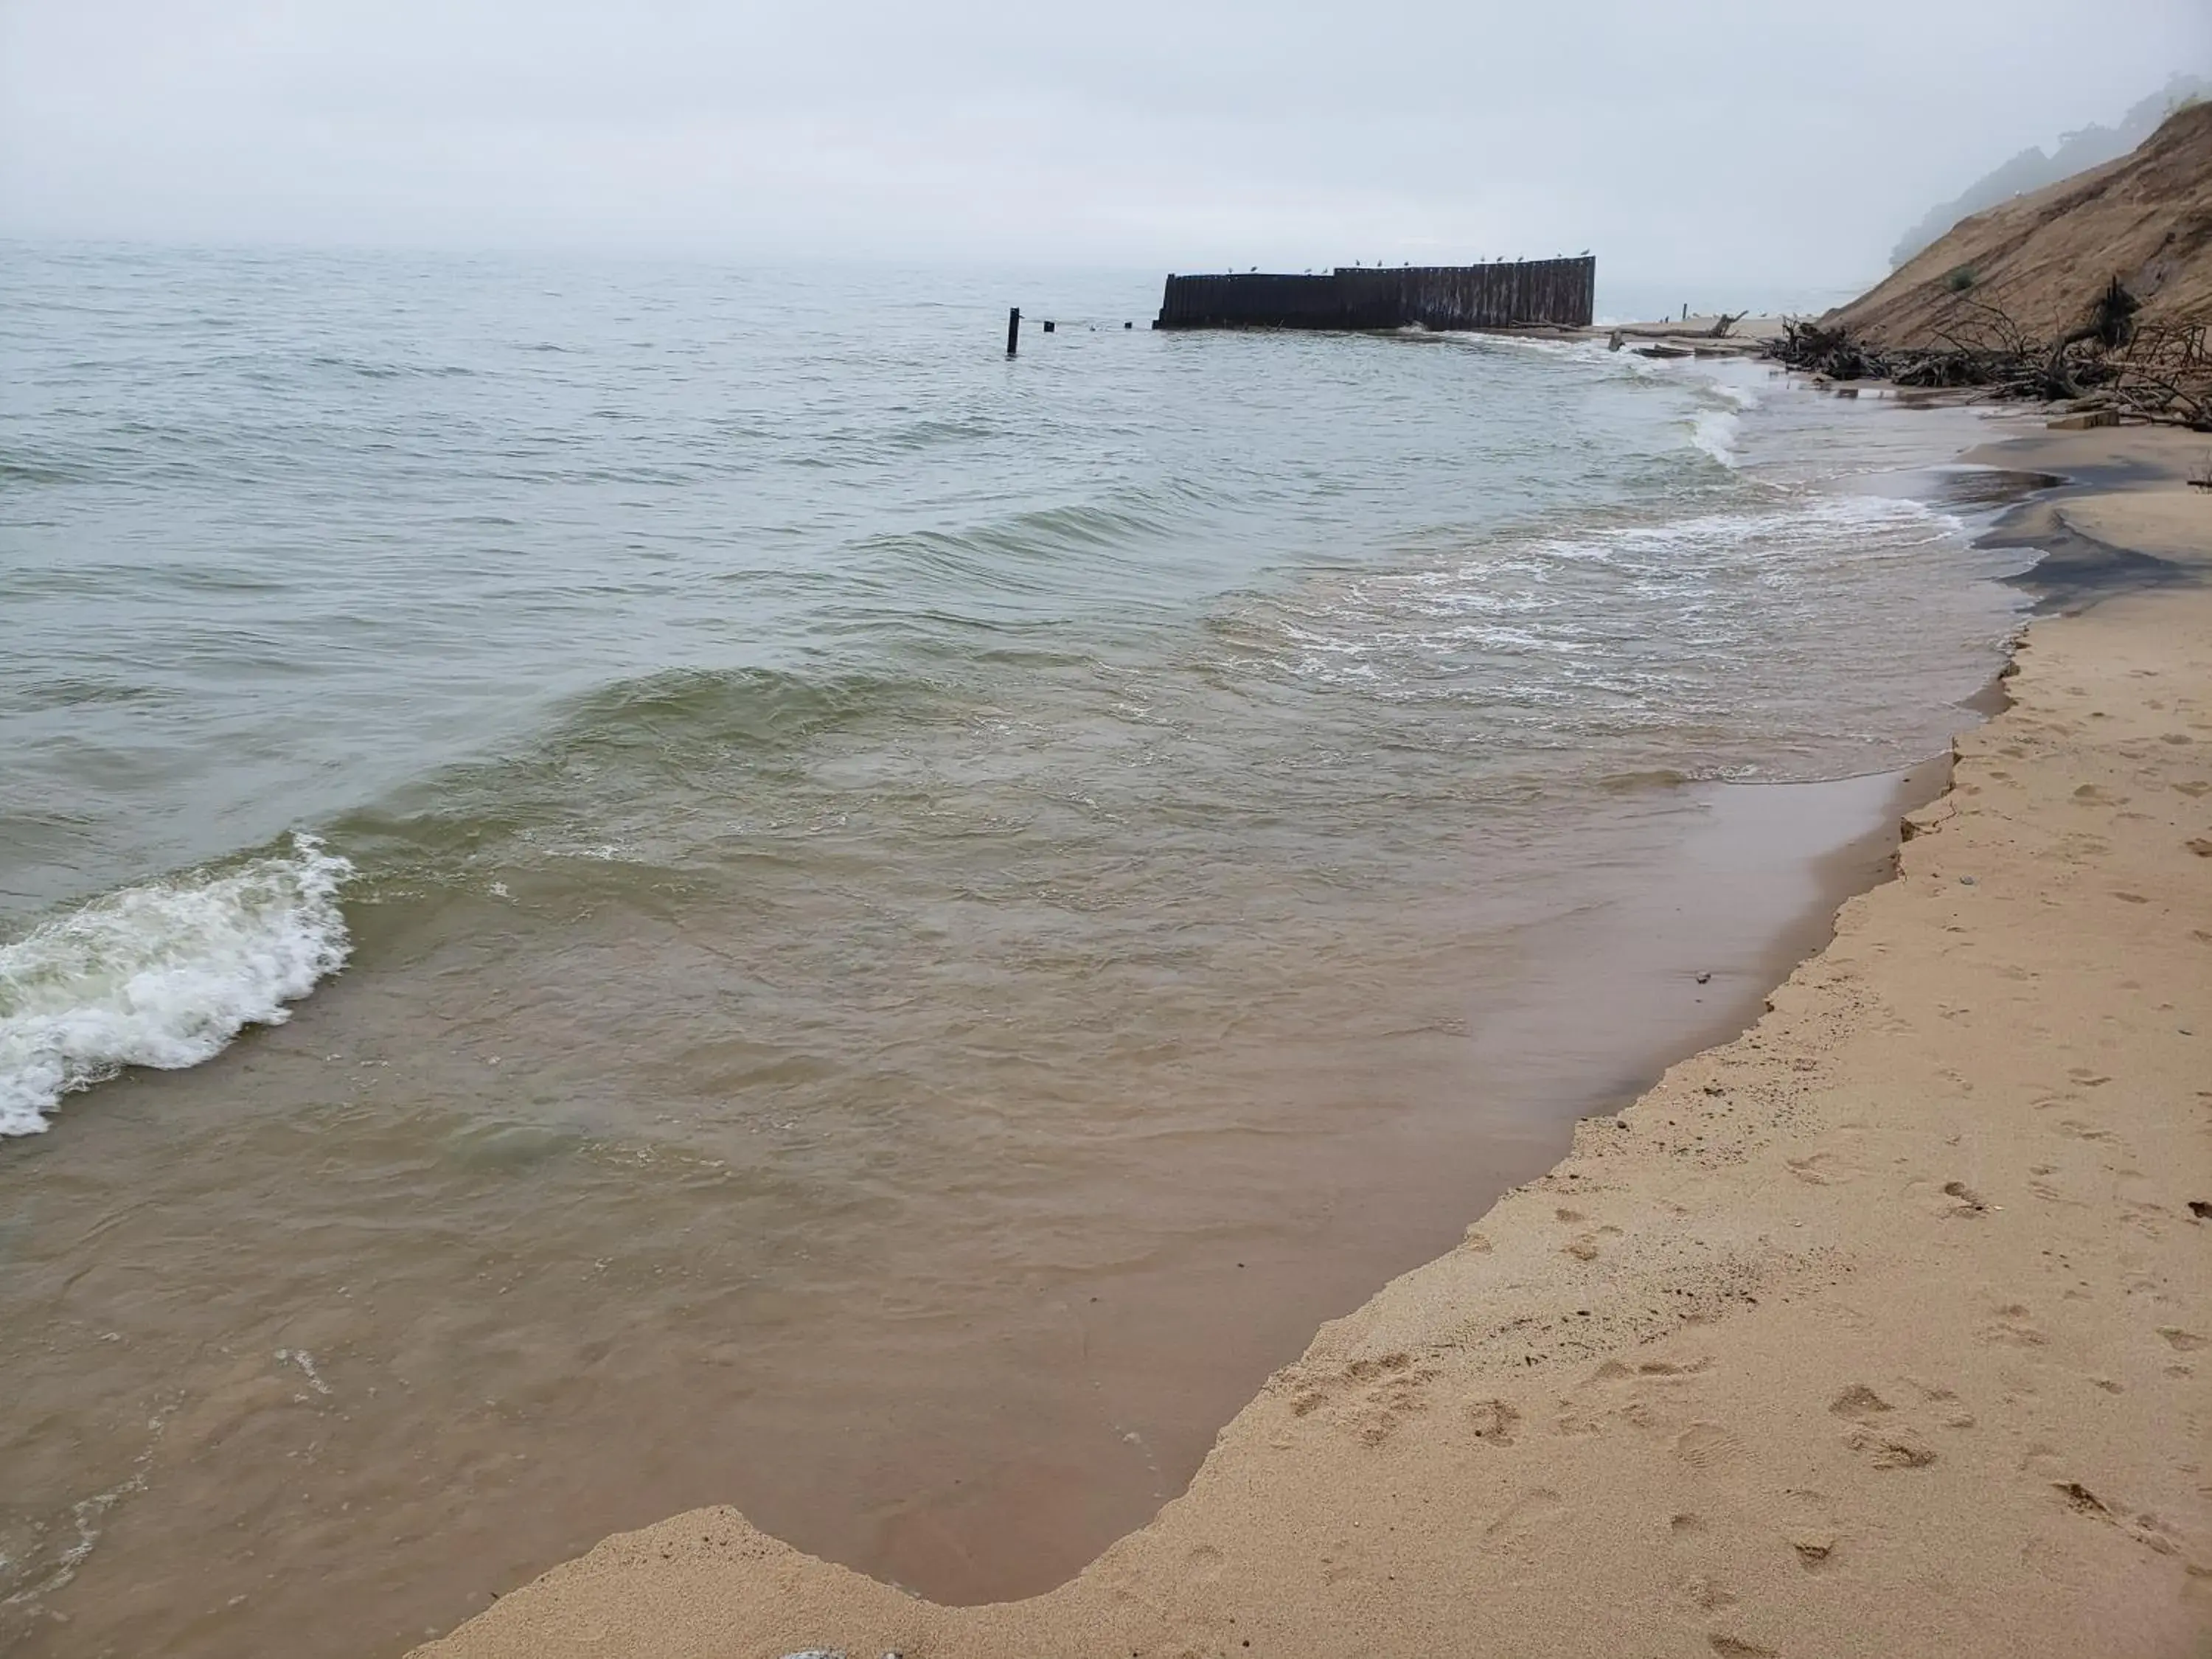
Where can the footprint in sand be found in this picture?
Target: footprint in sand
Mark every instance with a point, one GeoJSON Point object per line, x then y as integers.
{"type": "Point", "coordinates": [2145, 1529]}
{"type": "Point", "coordinates": [1665, 1369]}
{"type": "Point", "coordinates": [1814, 1549]}
{"type": "Point", "coordinates": [2011, 1329]}
{"type": "Point", "coordinates": [1898, 1449]}
{"type": "Point", "coordinates": [2145, 1218]}
{"type": "Point", "coordinates": [1893, 1447]}
{"type": "Point", "coordinates": [2076, 1129]}
{"type": "Point", "coordinates": [1370, 1396]}
{"type": "Point", "coordinates": [2048, 1190]}
{"type": "Point", "coordinates": [1815, 1533]}
{"type": "Point", "coordinates": [1860, 1402]}
{"type": "Point", "coordinates": [1400, 1392]}
{"type": "Point", "coordinates": [1583, 1247]}
{"type": "Point", "coordinates": [1203, 1565]}
{"type": "Point", "coordinates": [1948, 1410]}
{"type": "Point", "coordinates": [1526, 1527]}
{"type": "Point", "coordinates": [1819, 1169]}
{"type": "Point", "coordinates": [1964, 1201]}
{"type": "Point", "coordinates": [1707, 1593]}
{"type": "Point", "coordinates": [1705, 1446]}
{"type": "Point", "coordinates": [1736, 1647]}
{"type": "Point", "coordinates": [2080, 1499]}
{"type": "Point", "coordinates": [1494, 1420]}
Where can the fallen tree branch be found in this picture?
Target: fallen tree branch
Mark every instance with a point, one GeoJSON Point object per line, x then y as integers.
{"type": "Point", "coordinates": [2162, 373]}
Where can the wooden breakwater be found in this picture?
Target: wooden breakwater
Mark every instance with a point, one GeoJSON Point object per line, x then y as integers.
{"type": "Point", "coordinates": [1560, 293]}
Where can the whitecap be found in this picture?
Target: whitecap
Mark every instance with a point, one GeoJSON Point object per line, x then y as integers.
{"type": "Point", "coordinates": [163, 975]}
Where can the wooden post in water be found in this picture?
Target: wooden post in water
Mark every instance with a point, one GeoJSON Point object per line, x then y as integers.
{"type": "Point", "coordinates": [1013, 330]}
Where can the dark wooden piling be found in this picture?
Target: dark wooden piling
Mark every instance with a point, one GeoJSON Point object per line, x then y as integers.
{"type": "Point", "coordinates": [1013, 330]}
{"type": "Point", "coordinates": [1560, 293]}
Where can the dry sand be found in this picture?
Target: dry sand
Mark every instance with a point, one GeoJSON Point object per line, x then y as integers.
{"type": "Point", "coordinates": [1881, 1330]}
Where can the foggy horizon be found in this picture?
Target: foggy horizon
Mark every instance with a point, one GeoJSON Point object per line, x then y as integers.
{"type": "Point", "coordinates": [1715, 144]}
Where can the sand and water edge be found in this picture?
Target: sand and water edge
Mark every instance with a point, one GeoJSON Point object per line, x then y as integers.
{"type": "Point", "coordinates": [1875, 1329]}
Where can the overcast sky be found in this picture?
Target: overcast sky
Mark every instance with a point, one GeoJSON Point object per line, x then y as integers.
{"type": "Point", "coordinates": [1777, 143]}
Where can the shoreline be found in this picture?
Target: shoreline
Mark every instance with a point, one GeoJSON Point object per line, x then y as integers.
{"type": "Point", "coordinates": [1755, 1365]}
{"type": "Point", "coordinates": [969, 1407]}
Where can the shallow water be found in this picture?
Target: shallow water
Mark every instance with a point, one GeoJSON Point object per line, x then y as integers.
{"type": "Point", "coordinates": [911, 922]}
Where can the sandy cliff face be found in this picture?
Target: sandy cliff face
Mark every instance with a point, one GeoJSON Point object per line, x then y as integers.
{"type": "Point", "coordinates": [2041, 258]}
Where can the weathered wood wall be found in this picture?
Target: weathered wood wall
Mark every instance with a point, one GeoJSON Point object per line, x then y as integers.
{"type": "Point", "coordinates": [1559, 292]}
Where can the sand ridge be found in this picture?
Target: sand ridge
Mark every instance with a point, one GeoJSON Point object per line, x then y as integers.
{"type": "Point", "coordinates": [1881, 1330]}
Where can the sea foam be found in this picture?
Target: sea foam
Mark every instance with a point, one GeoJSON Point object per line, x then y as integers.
{"type": "Point", "coordinates": [1716, 432]}
{"type": "Point", "coordinates": [163, 975]}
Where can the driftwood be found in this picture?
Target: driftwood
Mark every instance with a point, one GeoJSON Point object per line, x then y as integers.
{"type": "Point", "coordinates": [2110, 363]}
{"type": "Point", "coordinates": [1719, 328]}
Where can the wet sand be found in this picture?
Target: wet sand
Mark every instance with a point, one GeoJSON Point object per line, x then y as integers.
{"type": "Point", "coordinates": [1877, 1329]}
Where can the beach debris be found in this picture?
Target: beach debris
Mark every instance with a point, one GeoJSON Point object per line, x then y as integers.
{"type": "Point", "coordinates": [2109, 368]}
{"type": "Point", "coordinates": [2200, 1209]}
{"type": "Point", "coordinates": [305, 1361]}
{"type": "Point", "coordinates": [1705, 978]}
{"type": "Point", "coordinates": [817, 1653]}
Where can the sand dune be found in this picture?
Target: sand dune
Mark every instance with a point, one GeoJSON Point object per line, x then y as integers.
{"type": "Point", "coordinates": [1881, 1330]}
{"type": "Point", "coordinates": [2043, 257]}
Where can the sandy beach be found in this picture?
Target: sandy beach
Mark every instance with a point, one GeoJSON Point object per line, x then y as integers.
{"type": "Point", "coordinates": [1880, 1329]}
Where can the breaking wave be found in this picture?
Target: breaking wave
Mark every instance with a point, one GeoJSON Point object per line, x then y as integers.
{"type": "Point", "coordinates": [163, 975]}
